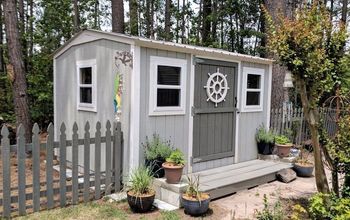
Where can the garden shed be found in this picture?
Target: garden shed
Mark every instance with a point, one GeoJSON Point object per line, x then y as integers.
{"type": "Point", "coordinates": [208, 102]}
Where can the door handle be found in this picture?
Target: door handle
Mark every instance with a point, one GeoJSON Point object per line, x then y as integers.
{"type": "Point", "coordinates": [193, 111]}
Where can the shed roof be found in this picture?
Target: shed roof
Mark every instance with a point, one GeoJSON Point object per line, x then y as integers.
{"type": "Point", "coordinates": [90, 35]}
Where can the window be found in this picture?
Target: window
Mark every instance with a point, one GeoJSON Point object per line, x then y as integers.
{"type": "Point", "coordinates": [253, 83]}
{"type": "Point", "coordinates": [167, 86]}
{"type": "Point", "coordinates": [86, 76]}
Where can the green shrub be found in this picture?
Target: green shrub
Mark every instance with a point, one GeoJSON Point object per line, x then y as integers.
{"type": "Point", "coordinates": [328, 206]}
{"type": "Point", "coordinates": [157, 148]}
{"type": "Point", "coordinates": [282, 139]}
{"type": "Point", "coordinates": [270, 214]}
{"type": "Point", "coordinates": [176, 157]}
{"type": "Point", "coordinates": [140, 181]}
{"type": "Point", "coordinates": [264, 136]}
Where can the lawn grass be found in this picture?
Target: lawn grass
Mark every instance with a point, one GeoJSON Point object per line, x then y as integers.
{"type": "Point", "coordinates": [104, 209]}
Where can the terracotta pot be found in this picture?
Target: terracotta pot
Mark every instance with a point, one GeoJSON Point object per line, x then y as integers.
{"type": "Point", "coordinates": [304, 170]}
{"type": "Point", "coordinates": [283, 150]}
{"type": "Point", "coordinates": [195, 207]}
{"type": "Point", "coordinates": [173, 172]}
{"type": "Point", "coordinates": [140, 204]}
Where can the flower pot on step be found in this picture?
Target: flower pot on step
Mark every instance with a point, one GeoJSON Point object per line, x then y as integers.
{"type": "Point", "coordinates": [283, 150]}
{"type": "Point", "coordinates": [173, 172]}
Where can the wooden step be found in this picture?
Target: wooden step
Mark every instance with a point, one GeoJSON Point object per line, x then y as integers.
{"type": "Point", "coordinates": [233, 178]}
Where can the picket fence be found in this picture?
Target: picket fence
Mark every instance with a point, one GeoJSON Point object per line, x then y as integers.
{"type": "Point", "coordinates": [290, 121]}
{"type": "Point", "coordinates": [22, 196]}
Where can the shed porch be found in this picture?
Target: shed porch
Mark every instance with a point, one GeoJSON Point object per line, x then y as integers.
{"type": "Point", "coordinates": [223, 181]}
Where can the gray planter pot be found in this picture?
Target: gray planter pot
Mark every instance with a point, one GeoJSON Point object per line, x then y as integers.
{"type": "Point", "coordinates": [195, 208]}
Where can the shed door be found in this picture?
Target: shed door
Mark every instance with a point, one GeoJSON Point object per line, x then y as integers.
{"type": "Point", "coordinates": [214, 110]}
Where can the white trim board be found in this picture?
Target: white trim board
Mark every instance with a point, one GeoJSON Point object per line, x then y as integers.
{"type": "Point", "coordinates": [269, 90]}
{"type": "Point", "coordinates": [238, 95]}
{"type": "Point", "coordinates": [134, 137]}
{"type": "Point", "coordinates": [190, 120]}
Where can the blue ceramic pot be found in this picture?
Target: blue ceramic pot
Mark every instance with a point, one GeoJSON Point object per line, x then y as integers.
{"type": "Point", "coordinates": [195, 208]}
{"type": "Point", "coordinates": [303, 170]}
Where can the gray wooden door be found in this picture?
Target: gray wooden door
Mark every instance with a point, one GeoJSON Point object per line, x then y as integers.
{"type": "Point", "coordinates": [214, 118]}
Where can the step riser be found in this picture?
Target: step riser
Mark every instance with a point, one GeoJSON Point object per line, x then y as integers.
{"type": "Point", "coordinates": [230, 189]}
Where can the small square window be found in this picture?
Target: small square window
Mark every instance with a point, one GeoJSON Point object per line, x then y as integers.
{"type": "Point", "coordinates": [253, 98]}
{"type": "Point", "coordinates": [86, 95]}
{"type": "Point", "coordinates": [168, 97]}
{"type": "Point", "coordinates": [253, 81]}
{"type": "Point", "coordinates": [169, 75]}
{"type": "Point", "coordinates": [85, 75]}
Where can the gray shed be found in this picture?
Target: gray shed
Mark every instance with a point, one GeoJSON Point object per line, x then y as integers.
{"type": "Point", "coordinates": [207, 102]}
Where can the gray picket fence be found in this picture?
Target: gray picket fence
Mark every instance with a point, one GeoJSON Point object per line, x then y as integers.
{"type": "Point", "coordinates": [291, 122]}
{"type": "Point", "coordinates": [31, 188]}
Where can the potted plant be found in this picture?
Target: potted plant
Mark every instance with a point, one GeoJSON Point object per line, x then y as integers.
{"type": "Point", "coordinates": [140, 194]}
{"type": "Point", "coordinates": [265, 140]}
{"type": "Point", "coordinates": [283, 145]}
{"type": "Point", "coordinates": [195, 202]}
{"type": "Point", "coordinates": [156, 151]}
{"type": "Point", "coordinates": [173, 167]}
{"type": "Point", "coordinates": [303, 166]}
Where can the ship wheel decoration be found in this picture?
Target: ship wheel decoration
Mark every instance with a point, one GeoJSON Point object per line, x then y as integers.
{"type": "Point", "coordinates": [216, 87]}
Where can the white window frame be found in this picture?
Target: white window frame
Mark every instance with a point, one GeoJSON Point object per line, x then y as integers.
{"type": "Point", "coordinates": [253, 71]}
{"type": "Point", "coordinates": [92, 107]}
{"type": "Point", "coordinates": [156, 61]}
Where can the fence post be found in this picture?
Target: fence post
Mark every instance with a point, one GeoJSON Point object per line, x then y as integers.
{"type": "Point", "coordinates": [49, 166]}
{"type": "Point", "coordinates": [63, 158]}
{"type": "Point", "coordinates": [21, 157]}
{"type": "Point", "coordinates": [87, 162]}
{"type": "Point", "coordinates": [98, 161]}
{"type": "Point", "coordinates": [36, 167]}
{"type": "Point", "coordinates": [108, 158]}
{"type": "Point", "coordinates": [117, 153]}
{"type": "Point", "coordinates": [6, 166]}
{"type": "Point", "coordinates": [75, 161]}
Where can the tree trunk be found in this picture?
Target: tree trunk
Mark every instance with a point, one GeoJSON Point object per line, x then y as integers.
{"type": "Point", "coordinates": [206, 22]}
{"type": "Point", "coordinates": [2, 62]}
{"type": "Point", "coordinates": [134, 27]}
{"type": "Point", "coordinates": [183, 25]}
{"type": "Point", "coordinates": [344, 11]}
{"type": "Point", "coordinates": [148, 18]}
{"type": "Point", "coordinates": [312, 118]}
{"type": "Point", "coordinates": [167, 20]}
{"type": "Point", "coordinates": [16, 67]}
{"type": "Point", "coordinates": [215, 21]}
{"type": "Point", "coordinates": [96, 15]}
{"type": "Point", "coordinates": [30, 33]}
{"type": "Point", "coordinates": [200, 21]}
{"type": "Point", "coordinates": [22, 32]}
{"type": "Point", "coordinates": [118, 16]}
{"type": "Point", "coordinates": [76, 16]}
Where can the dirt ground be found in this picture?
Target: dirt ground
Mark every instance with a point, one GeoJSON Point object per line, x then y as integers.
{"type": "Point", "coordinates": [244, 204]}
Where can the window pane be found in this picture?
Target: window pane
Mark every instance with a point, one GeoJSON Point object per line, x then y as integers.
{"type": "Point", "coordinates": [253, 81]}
{"type": "Point", "coordinates": [168, 97]}
{"type": "Point", "coordinates": [253, 98]}
{"type": "Point", "coordinates": [85, 75]}
{"type": "Point", "coordinates": [86, 95]}
{"type": "Point", "coordinates": [169, 75]}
